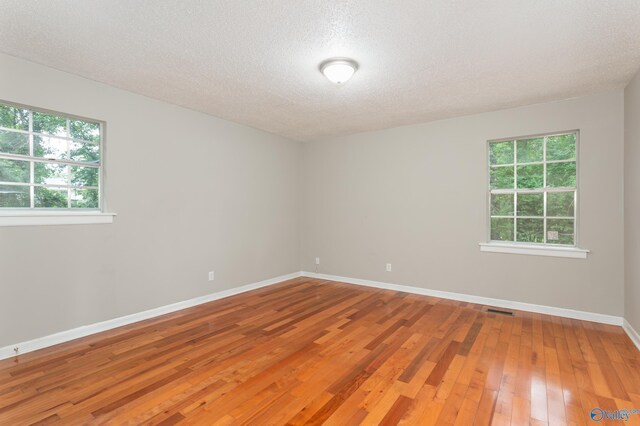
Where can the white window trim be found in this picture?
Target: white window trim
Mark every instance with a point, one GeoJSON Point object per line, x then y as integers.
{"type": "Point", "coordinates": [541, 249]}
{"type": "Point", "coordinates": [44, 217]}
{"type": "Point", "coordinates": [535, 250]}
{"type": "Point", "coordinates": [38, 218]}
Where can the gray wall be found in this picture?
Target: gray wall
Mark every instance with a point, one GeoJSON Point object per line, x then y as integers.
{"type": "Point", "coordinates": [192, 193]}
{"type": "Point", "coordinates": [415, 197]}
{"type": "Point", "coordinates": [632, 201]}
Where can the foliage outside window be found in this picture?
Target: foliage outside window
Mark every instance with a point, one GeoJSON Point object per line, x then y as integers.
{"type": "Point", "coordinates": [48, 160]}
{"type": "Point", "coordinates": [533, 189]}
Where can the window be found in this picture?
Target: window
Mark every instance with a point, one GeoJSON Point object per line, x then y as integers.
{"type": "Point", "coordinates": [49, 161]}
{"type": "Point", "coordinates": [533, 189]}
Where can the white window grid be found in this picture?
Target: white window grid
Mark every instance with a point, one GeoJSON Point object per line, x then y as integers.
{"type": "Point", "coordinates": [544, 190]}
{"type": "Point", "coordinates": [32, 159]}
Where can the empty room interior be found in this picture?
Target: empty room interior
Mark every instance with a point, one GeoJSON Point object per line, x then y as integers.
{"type": "Point", "coordinates": [319, 212]}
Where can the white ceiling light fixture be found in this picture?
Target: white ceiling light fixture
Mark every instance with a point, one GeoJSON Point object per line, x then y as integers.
{"type": "Point", "coordinates": [338, 70]}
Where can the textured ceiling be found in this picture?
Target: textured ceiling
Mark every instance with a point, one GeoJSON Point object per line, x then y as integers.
{"type": "Point", "coordinates": [256, 61]}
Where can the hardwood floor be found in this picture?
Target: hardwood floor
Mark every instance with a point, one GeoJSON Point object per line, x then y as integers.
{"type": "Point", "coordinates": [311, 352]}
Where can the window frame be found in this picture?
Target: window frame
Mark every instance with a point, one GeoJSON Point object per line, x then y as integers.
{"type": "Point", "coordinates": [536, 247]}
{"type": "Point", "coordinates": [51, 215]}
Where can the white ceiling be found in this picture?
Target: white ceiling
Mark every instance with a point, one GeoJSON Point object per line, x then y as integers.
{"type": "Point", "coordinates": [256, 61]}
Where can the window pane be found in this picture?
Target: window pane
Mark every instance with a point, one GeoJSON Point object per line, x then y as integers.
{"type": "Point", "coordinates": [47, 147]}
{"type": "Point", "coordinates": [85, 131]}
{"type": "Point", "coordinates": [561, 147]}
{"type": "Point", "coordinates": [14, 171]}
{"type": "Point", "coordinates": [501, 178]}
{"type": "Point", "coordinates": [501, 152]}
{"type": "Point", "coordinates": [85, 152]}
{"type": "Point", "coordinates": [530, 150]}
{"type": "Point", "coordinates": [51, 173]}
{"type": "Point", "coordinates": [501, 229]}
{"type": "Point", "coordinates": [530, 176]}
{"type": "Point", "coordinates": [51, 197]}
{"type": "Point", "coordinates": [50, 124]}
{"type": "Point", "coordinates": [12, 196]}
{"type": "Point", "coordinates": [561, 204]}
{"type": "Point", "coordinates": [560, 231]}
{"type": "Point", "coordinates": [530, 204]}
{"type": "Point", "coordinates": [502, 204]}
{"type": "Point", "coordinates": [14, 143]}
{"type": "Point", "coordinates": [561, 175]}
{"type": "Point", "coordinates": [530, 230]}
{"type": "Point", "coordinates": [14, 118]}
{"type": "Point", "coordinates": [84, 198]}
{"type": "Point", "coordinates": [84, 176]}
{"type": "Point", "coordinates": [46, 182]}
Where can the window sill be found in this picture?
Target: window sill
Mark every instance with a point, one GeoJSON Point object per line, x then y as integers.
{"type": "Point", "coordinates": [54, 218]}
{"type": "Point", "coordinates": [534, 250]}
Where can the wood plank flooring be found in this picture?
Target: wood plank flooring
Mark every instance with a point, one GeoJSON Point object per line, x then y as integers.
{"type": "Point", "coordinates": [316, 352]}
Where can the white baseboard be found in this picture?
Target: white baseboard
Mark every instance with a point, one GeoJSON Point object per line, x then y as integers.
{"type": "Point", "coordinates": [632, 333]}
{"type": "Point", "coordinates": [65, 336]}
{"type": "Point", "coordinates": [500, 303]}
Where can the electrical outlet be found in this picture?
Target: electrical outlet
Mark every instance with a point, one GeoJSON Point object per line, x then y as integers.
{"type": "Point", "coordinates": [212, 276]}
{"type": "Point", "coordinates": [317, 260]}
{"type": "Point", "coordinates": [388, 267]}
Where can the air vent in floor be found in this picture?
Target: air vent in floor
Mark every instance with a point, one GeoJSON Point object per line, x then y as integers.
{"type": "Point", "coordinates": [499, 311]}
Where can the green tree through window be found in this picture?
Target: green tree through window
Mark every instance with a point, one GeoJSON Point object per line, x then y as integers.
{"type": "Point", "coordinates": [48, 160]}
{"type": "Point", "coordinates": [533, 189]}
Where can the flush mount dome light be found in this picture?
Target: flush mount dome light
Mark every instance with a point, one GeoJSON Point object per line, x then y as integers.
{"type": "Point", "coordinates": [338, 70]}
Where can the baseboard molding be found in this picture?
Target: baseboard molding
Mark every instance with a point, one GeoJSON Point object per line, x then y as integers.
{"type": "Point", "coordinates": [68, 335]}
{"type": "Point", "coordinates": [500, 303]}
{"type": "Point", "coordinates": [76, 333]}
{"type": "Point", "coordinates": [632, 333]}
